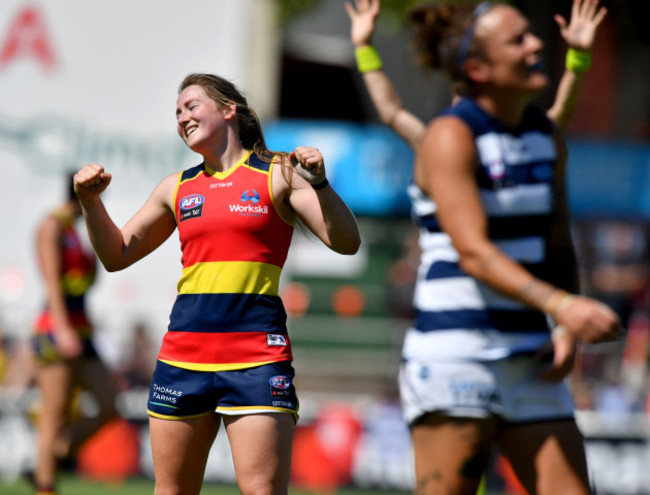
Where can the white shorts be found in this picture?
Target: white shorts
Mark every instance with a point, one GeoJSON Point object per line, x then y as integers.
{"type": "Point", "coordinates": [508, 388]}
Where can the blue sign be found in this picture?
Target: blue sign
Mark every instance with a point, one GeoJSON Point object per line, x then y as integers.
{"type": "Point", "coordinates": [609, 179]}
{"type": "Point", "coordinates": [368, 165]}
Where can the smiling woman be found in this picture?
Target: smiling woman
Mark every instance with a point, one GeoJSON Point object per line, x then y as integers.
{"type": "Point", "coordinates": [480, 366]}
{"type": "Point", "coordinates": [227, 354]}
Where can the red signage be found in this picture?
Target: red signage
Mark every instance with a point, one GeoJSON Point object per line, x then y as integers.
{"type": "Point", "coordinates": [27, 37]}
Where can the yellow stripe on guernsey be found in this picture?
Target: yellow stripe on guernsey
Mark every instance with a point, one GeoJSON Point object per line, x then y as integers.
{"type": "Point", "coordinates": [230, 277]}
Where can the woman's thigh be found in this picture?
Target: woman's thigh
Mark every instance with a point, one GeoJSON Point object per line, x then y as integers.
{"type": "Point", "coordinates": [451, 454]}
{"type": "Point", "coordinates": [180, 451]}
{"type": "Point", "coordinates": [548, 457]}
{"type": "Point", "coordinates": [55, 382]}
{"type": "Point", "coordinates": [261, 449]}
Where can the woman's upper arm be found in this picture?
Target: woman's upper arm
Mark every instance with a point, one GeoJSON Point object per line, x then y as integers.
{"type": "Point", "coordinates": [445, 169]}
{"type": "Point", "coordinates": [48, 249]}
{"type": "Point", "coordinates": [323, 213]}
{"type": "Point", "coordinates": [152, 224]}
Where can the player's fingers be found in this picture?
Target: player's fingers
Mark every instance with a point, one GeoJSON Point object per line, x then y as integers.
{"type": "Point", "coordinates": [362, 6]}
{"type": "Point", "coordinates": [600, 15]}
{"type": "Point", "coordinates": [349, 8]}
{"type": "Point", "coordinates": [575, 8]}
{"type": "Point", "coordinates": [590, 10]}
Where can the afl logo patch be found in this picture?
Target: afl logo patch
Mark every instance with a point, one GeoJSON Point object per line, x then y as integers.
{"type": "Point", "coordinates": [280, 382]}
{"type": "Point", "coordinates": [190, 202]}
{"type": "Point", "coordinates": [191, 207]}
{"type": "Point", "coordinates": [280, 387]}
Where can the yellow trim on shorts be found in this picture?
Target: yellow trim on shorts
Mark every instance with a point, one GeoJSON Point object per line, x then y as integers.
{"type": "Point", "coordinates": [230, 277]}
{"type": "Point", "coordinates": [215, 367]}
{"type": "Point", "coordinates": [176, 418]}
{"type": "Point", "coordinates": [248, 410]}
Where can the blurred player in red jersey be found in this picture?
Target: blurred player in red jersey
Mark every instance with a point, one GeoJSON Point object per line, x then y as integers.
{"type": "Point", "coordinates": [65, 357]}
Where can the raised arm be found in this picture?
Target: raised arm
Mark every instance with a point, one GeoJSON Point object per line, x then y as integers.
{"type": "Point", "coordinates": [145, 231]}
{"type": "Point", "coordinates": [579, 35]}
{"type": "Point", "coordinates": [382, 93]}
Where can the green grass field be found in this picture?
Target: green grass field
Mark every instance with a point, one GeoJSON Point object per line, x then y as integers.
{"type": "Point", "coordinates": [72, 485]}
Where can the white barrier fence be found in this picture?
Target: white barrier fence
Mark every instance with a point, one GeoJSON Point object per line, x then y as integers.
{"type": "Point", "coordinates": [618, 446]}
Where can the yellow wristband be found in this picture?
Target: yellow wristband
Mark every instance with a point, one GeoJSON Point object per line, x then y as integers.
{"type": "Point", "coordinates": [558, 301]}
{"type": "Point", "coordinates": [367, 58]}
{"type": "Point", "coordinates": [578, 61]}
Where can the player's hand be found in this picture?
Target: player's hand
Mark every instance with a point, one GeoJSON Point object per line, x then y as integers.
{"type": "Point", "coordinates": [363, 20]}
{"type": "Point", "coordinates": [564, 349]}
{"type": "Point", "coordinates": [308, 163]}
{"type": "Point", "coordinates": [67, 342]}
{"type": "Point", "coordinates": [589, 320]}
{"type": "Point", "coordinates": [586, 16]}
{"type": "Point", "coordinates": [91, 181]}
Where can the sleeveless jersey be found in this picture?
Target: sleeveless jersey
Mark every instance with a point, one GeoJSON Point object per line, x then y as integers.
{"type": "Point", "coordinates": [228, 314]}
{"type": "Point", "coordinates": [458, 315]}
{"type": "Point", "coordinates": [77, 275]}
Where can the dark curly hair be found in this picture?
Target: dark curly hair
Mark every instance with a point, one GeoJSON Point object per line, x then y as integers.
{"type": "Point", "coordinates": [441, 32]}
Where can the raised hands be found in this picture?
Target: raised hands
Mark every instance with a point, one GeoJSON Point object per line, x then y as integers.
{"type": "Point", "coordinates": [580, 32]}
{"type": "Point", "coordinates": [363, 20]}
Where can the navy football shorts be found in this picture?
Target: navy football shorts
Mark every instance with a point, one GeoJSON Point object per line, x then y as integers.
{"type": "Point", "coordinates": [46, 351]}
{"type": "Point", "coordinates": [178, 393]}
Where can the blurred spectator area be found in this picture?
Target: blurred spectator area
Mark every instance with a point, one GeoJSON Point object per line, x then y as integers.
{"type": "Point", "coordinates": [319, 77]}
{"type": "Point", "coordinates": [347, 315]}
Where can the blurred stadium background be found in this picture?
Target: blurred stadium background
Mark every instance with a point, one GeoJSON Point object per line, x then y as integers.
{"type": "Point", "coordinates": [96, 82]}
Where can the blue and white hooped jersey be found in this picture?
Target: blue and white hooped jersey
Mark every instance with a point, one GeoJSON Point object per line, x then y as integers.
{"type": "Point", "coordinates": [458, 315]}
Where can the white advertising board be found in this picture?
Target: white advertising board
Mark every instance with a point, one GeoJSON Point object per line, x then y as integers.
{"type": "Point", "coordinates": [89, 81]}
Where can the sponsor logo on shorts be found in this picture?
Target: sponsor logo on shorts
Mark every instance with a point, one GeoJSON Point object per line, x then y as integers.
{"type": "Point", "coordinates": [275, 339]}
{"type": "Point", "coordinates": [470, 392]}
{"type": "Point", "coordinates": [280, 381]}
{"type": "Point", "coordinates": [191, 207]}
{"type": "Point", "coordinates": [164, 396]}
{"type": "Point", "coordinates": [280, 386]}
